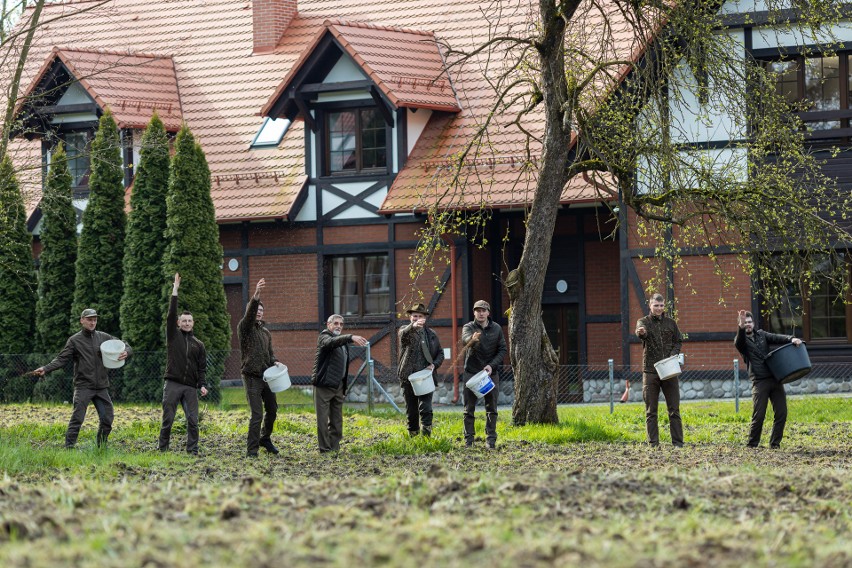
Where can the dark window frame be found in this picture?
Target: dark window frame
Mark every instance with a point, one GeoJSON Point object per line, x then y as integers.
{"type": "Point", "coordinates": [325, 112]}
{"type": "Point", "coordinates": [62, 135]}
{"type": "Point", "coordinates": [843, 115]}
{"type": "Point", "coordinates": [336, 305]}
{"type": "Point", "coordinates": [802, 325]}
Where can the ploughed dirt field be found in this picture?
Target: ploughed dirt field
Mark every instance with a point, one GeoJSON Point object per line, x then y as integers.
{"type": "Point", "coordinates": [386, 500]}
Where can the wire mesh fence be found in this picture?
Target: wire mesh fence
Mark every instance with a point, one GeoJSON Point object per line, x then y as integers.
{"type": "Point", "coordinates": [141, 380]}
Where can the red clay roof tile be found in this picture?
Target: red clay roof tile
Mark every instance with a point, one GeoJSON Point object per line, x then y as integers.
{"type": "Point", "coordinates": [222, 84]}
{"type": "Point", "coordinates": [405, 64]}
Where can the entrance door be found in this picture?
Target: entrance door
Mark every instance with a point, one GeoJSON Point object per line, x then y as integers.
{"type": "Point", "coordinates": [561, 323]}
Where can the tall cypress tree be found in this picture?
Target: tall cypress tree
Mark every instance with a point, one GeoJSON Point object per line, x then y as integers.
{"type": "Point", "coordinates": [144, 247]}
{"type": "Point", "coordinates": [193, 250]}
{"type": "Point", "coordinates": [58, 255]}
{"type": "Point", "coordinates": [17, 288]}
{"type": "Point", "coordinates": [141, 309]}
{"type": "Point", "coordinates": [100, 255]}
{"type": "Point", "coordinates": [17, 277]}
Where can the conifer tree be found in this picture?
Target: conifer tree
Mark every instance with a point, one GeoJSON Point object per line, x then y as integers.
{"type": "Point", "coordinates": [193, 250]}
{"type": "Point", "coordinates": [58, 255]}
{"type": "Point", "coordinates": [17, 288]}
{"type": "Point", "coordinates": [100, 254]}
{"type": "Point", "coordinates": [144, 247]}
{"type": "Point", "coordinates": [17, 277]}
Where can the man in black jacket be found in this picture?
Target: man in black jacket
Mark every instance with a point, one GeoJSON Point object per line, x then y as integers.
{"type": "Point", "coordinates": [661, 338]}
{"type": "Point", "coordinates": [753, 345]}
{"type": "Point", "coordinates": [91, 381]}
{"type": "Point", "coordinates": [485, 347]}
{"type": "Point", "coordinates": [257, 356]}
{"type": "Point", "coordinates": [331, 370]}
{"type": "Point", "coordinates": [186, 366]}
{"type": "Point", "coordinates": [419, 349]}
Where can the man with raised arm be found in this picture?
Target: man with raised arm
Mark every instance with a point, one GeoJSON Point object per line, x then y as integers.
{"type": "Point", "coordinates": [257, 356]}
{"type": "Point", "coordinates": [186, 367]}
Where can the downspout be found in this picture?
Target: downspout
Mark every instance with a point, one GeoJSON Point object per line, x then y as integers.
{"type": "Point", "coordinates": [455, 319]}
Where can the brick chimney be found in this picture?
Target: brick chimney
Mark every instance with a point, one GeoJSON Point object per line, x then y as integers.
{"type": "Point", "coordinates": [269, 20]}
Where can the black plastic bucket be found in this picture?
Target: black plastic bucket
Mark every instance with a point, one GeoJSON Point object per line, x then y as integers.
{"type": "Point", "coordinates": [789, 362]}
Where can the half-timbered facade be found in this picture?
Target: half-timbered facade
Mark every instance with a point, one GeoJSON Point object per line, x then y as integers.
{"type": "Point", "coordinates": [329, 128]}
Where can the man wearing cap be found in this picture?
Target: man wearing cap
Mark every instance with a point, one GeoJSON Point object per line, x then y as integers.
{"type": "Point", "coordinates": [257, 356]}
{"type": "Point", "coordinates": [661, 338]}
{"type": "Point", "coordinates": [186, 366]}
{"type": "Point", "coordinates": [329, 378]}
{"type": "Point", "coordinates": [485, 348]}
{"type": "Point", "coordinates": [91, 381]}
{"type": "Point", "coordinates": [753, 344]}
{"type": "Point", "coordinates": [419, 349]}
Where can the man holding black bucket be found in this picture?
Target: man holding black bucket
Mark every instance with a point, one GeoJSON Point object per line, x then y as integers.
{"type": "Point", "coordinates": [661, 339]}
{"type": "Point", "coordinates": [419, 349]}
{"type": "Point", "coordinates": [753, 345]}
{"type": "Point", "coordinates": [186, 367]}
{"type": "Point", "coordinates": [91, 381]}
{"type": "Point", "coordinates": [484, 348]}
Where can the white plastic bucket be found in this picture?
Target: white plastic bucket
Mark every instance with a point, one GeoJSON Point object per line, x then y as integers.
{"type": "Point", "coordinates": [668, 368]}
{"type": "Point", "coordinates": [110, 350]}
{"type": "Point", "coordinates": [481, 384]}
{"type": "Point", "coordinates": [277, 377]}
{"type": "Point", "coordinates": [421, 382]}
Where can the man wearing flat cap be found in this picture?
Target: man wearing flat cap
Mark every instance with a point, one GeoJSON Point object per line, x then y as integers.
{"type": "Point", "coordinates": [484, 347]}
{"type": "Point", "coordinates": [419, 349]}
{"type": "Point", "coordinates": [91, 381]}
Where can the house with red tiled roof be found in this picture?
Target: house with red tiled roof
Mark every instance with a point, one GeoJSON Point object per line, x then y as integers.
{"type": "Point", "coordinates": [330, 129]}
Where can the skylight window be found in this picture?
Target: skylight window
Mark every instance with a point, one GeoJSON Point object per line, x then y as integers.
{"type": "Point", "coordinates": [271, 132]}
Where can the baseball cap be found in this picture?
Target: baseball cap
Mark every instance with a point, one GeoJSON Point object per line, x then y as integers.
{"type": "Point", "coordinates": [482, 304]}
{"type": "Point", "coordinates": [89, 313]}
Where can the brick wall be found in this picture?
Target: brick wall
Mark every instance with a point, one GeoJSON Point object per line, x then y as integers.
{"type": "Point", "coordinates": [603, 278]}
{"type": "Point", "coordinates": [290, 294]}
{"type": "Point", "coordinates": [355, 234]}
{"type": "Point", "coordinates": [269, 20]}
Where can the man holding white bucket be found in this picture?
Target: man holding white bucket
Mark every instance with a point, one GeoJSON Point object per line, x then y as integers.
{"type": "Point", "coordinates": [257, 356]}
{"type": "Point", "coordinates": [753, 345]}
{"type": "Point", "coordinates": [485, 348]}
{"type": "Point", "coordinates": [661, 338]}
{"type": "Point", "coordinates": [419, 349]}
{"type": "Point", "coordinates": [329, 377]}
{"type": "Point", "coordinates": [186, 367]}
{"type": "Point", "coordinates": [91, 381]}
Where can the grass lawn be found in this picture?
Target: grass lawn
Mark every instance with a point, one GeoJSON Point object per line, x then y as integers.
{"type": "Point", "coordinates": [585, 491]}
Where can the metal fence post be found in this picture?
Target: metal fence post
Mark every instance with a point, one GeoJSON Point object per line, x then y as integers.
{"type": "Point", "coordinates": [370, 379]}
{"type": "Point", "coordinates": [611, 387]}
{"type": "Point", "coordinates": [737, 385]}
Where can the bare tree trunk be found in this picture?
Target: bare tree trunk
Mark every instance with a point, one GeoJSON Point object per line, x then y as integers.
{"type": "Point", "coordinates": [15, 86]}
{"type": "Point", "coordinates": [533, 358]}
